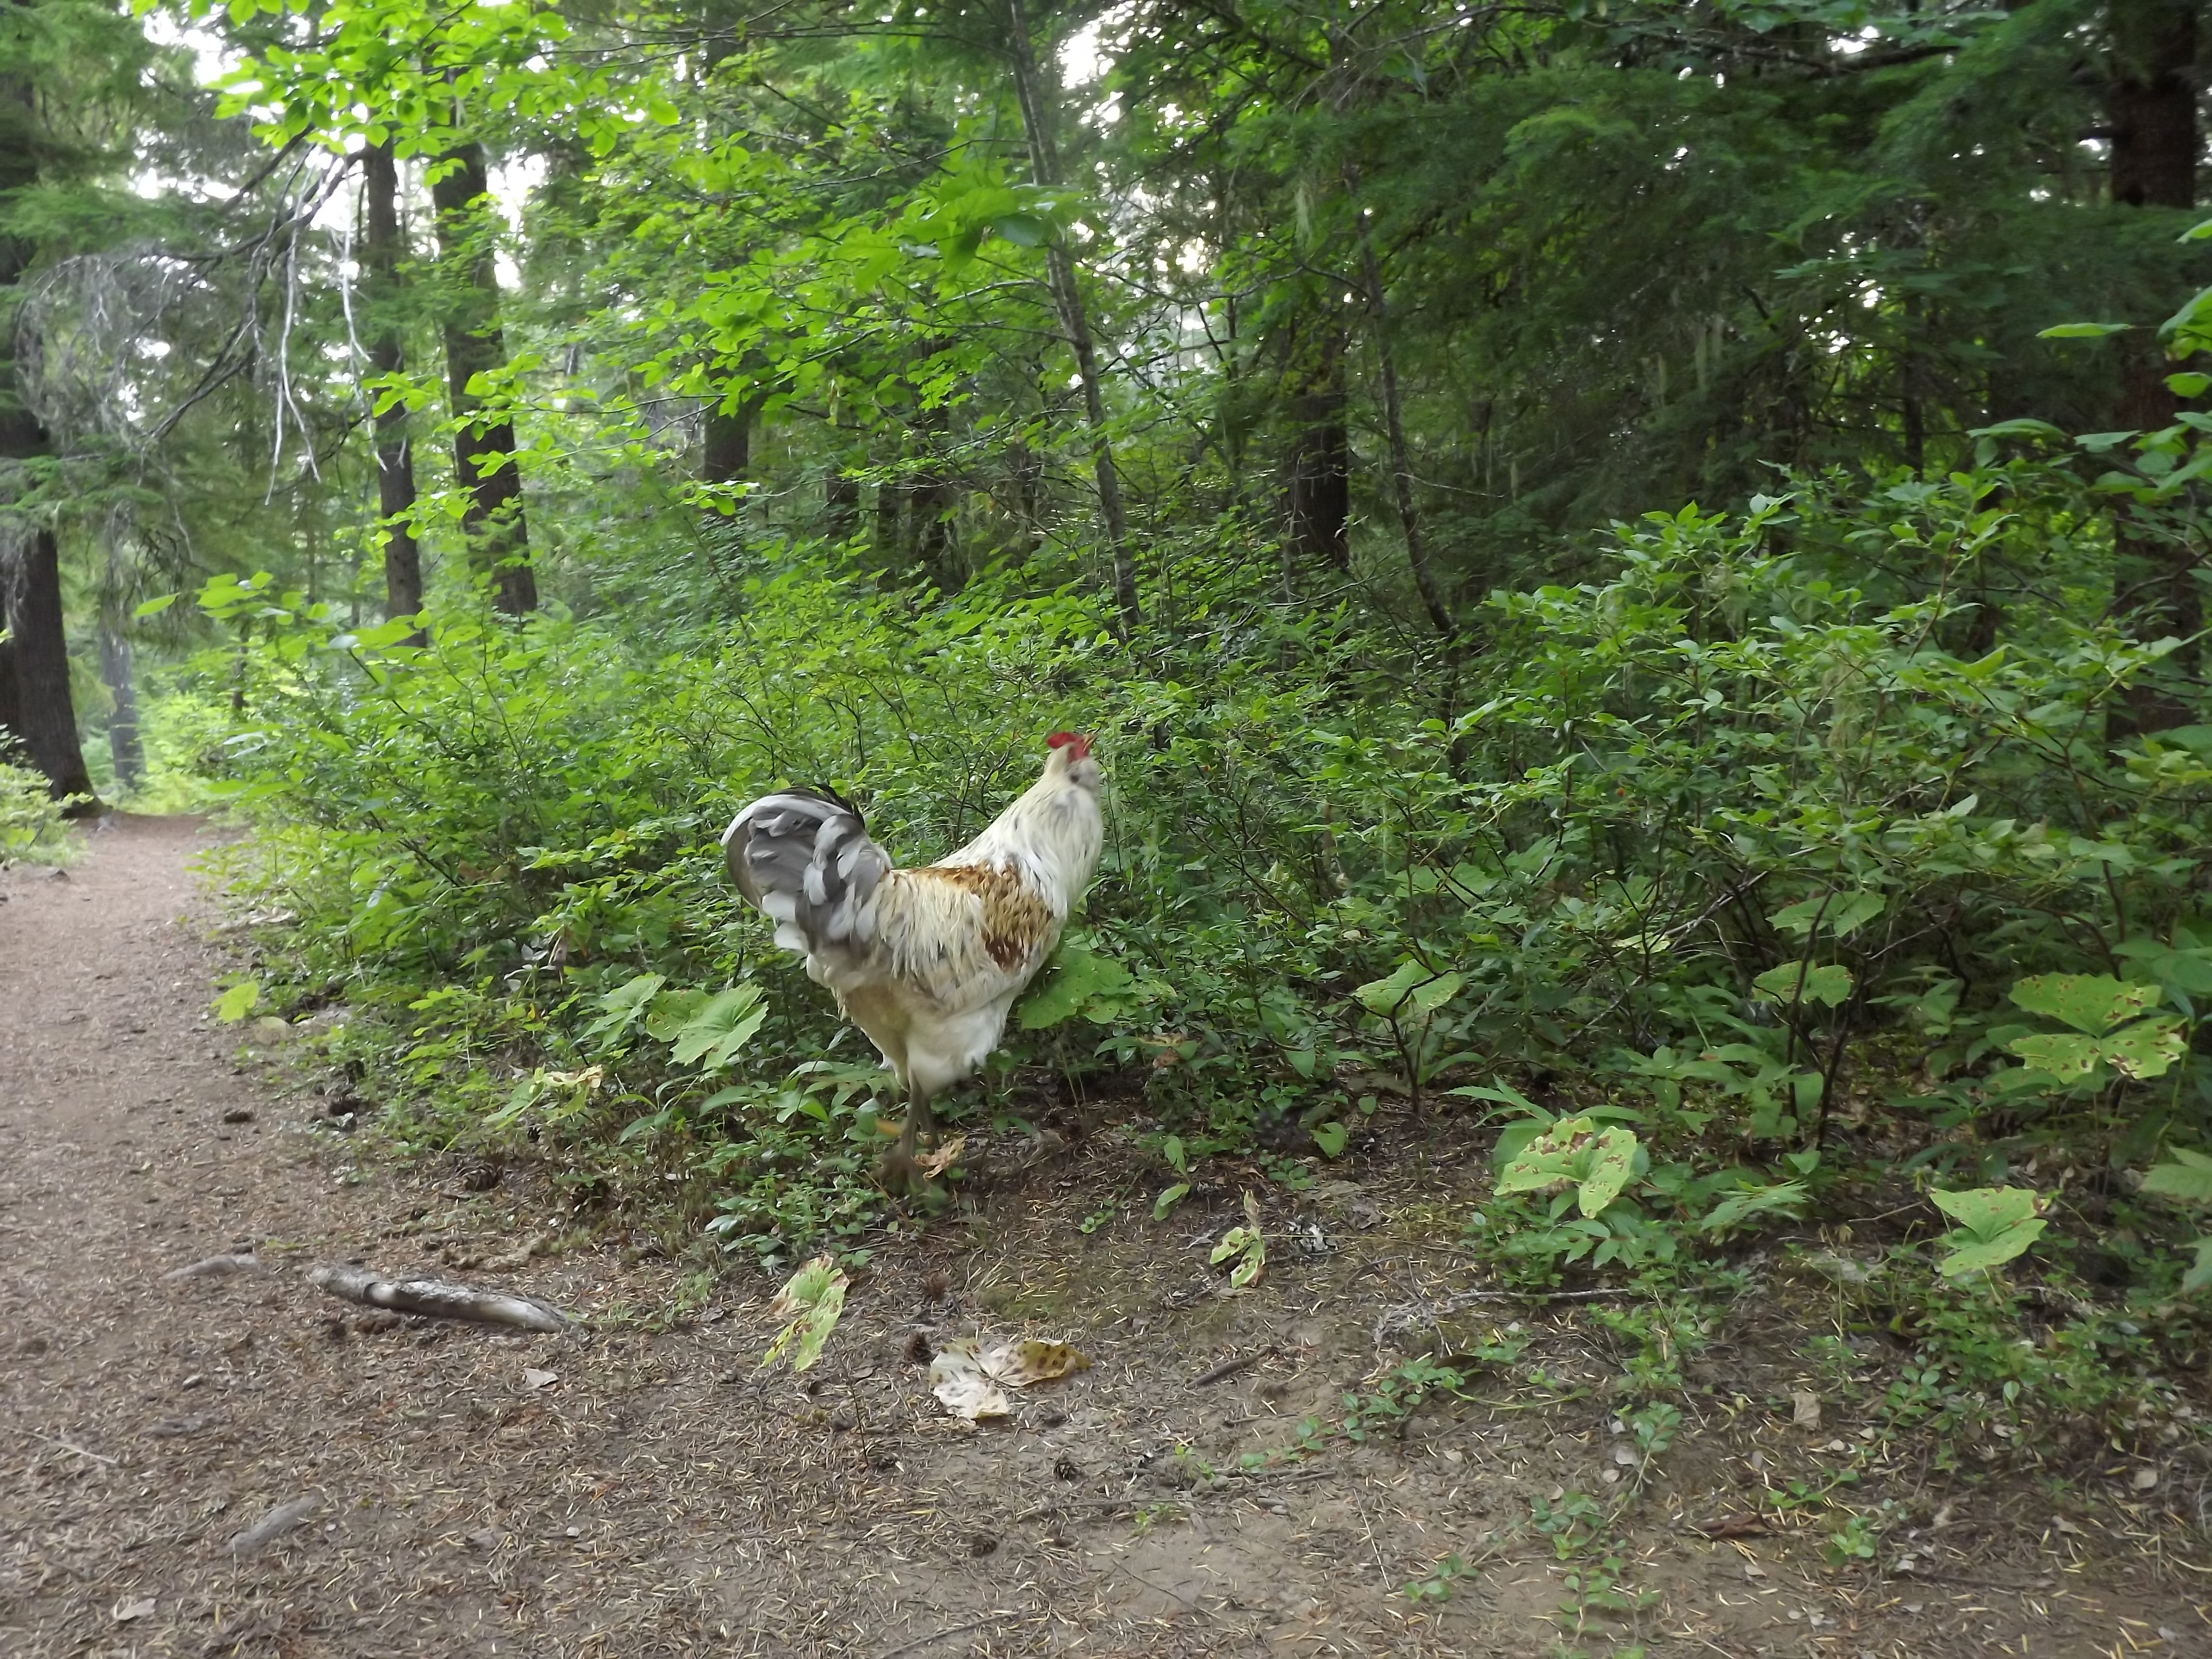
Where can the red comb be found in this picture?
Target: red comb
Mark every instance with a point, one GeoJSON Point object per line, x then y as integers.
{"type": "Point", "coordinates": [1074, 741]}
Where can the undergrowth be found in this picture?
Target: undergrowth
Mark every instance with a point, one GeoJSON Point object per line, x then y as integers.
{"type": "Point", "coordinates": [1797, 870]}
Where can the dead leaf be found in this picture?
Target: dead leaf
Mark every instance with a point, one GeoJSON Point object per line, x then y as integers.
{"type": "Point", "coordinates": [533, 1379]}
{"type": "Point", "coordinates": [2143, 1480]}
{"type": "Point", "coordinates": [1020, 1364]}
{"type": "Point", "coordinates": [1804, 1409]}
{"type": "Point", "coordinates": [967, 1376]}
{"type": "Point", "coordinates": [935, 1163]}
{"type": "Point", "coordinates": [126, 1611]}
{"type": "Point", "coordinates": [956, 1377]}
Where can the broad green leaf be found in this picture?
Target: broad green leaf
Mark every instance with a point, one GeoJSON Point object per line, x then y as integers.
{"type": "Point", "coordinates": [2196, 232]}
{"type": "Point", "coordinates": [1330, 1138]}
{"type": "Point", "coordinates": [1783, 1198]}
{"type": "Point", "coordinates": [1177, 1155]}
{"type": "Point", "coordinates": [2088, 1002]}
{"type": "Point", "coordinates": [2189, 383]}
{"type": "Point", "coordinates": [1987, 1212]}
{"type": "Point", "coordinates": [2200, 1273]}
{"type": "Point", "coordinates": [2187, 1178]}
{"type": "Point", "coordinates": [1846, 913]}
{"type": "Point", "coordinates": [1828, 984]}
{"type": "Point", "coordinates": [2068, 1059]}
{"type": "Point", "coordinates": [1169, 1197]}
{"type": "Point", "coordinates": [1385, 996]}
{"type": "Point", "coordinates": [2082, 331]}
{"type": "Point", "coordinates": [238, 1002]}
{"type": "Point", "coordinates": [2149, 1048]}
{"type": "Point", "coordinates": [2022, 427]}
{"type": "Point", "coordinates": [1425, 998]}
{"type": "Point", "coordinates": [1611, 1163]}
{"type": "Point", "coordinates": [154, 607]}
{"type": "Point", "coordinates": [1979, 1255]}
{"type": "Point", "coordinates": [714, 1037]}
{"type": "Point", "coordinates": [622, 1008]}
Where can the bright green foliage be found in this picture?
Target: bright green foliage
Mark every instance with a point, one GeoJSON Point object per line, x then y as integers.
{"type": "Point", "coordinates": [1793, 981]}
{"type": "Point", "coordinates": [30, 818]}
{"type": "Point", "coordinates": [240, 1000]}
{"type": "Point", "coordinates": [811, 1303]}
{"type": "Point", "coordinates": [1995, 1225]}
{"type": "Point", "coordinates": [2185, 1176]}
{"type": "Point", "coordinates": [1574, 1154]}
{"type": "Point", "coordinates": [1246, 1246]}
{"type": "Point", "coordinates": [2093, 1005]}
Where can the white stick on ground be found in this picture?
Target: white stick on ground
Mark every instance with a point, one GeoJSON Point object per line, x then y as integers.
{"type": "Point", "coordinates": [438, 1297]}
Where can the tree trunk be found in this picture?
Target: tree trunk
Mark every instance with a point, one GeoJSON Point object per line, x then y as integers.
{"type": "Point", "coordinates": [384, 248]}
{"type": "Point", "coordinates": [35, 705]}
{"type": "Point", "coordinates": [1068, 298]}
{"type": "Point", "coordinates": [1401, 459]}
{"type": "Point", "coordinates": [729, 448]}
{"type": "Point", "coordinates": [841, 507]}
{"type": "Point", "coordinates": [2151, 103]}
{"type": "Point", "coordinates": [484, 448]}
{"type": "Point", "coordinates": [1321, 457]}
{"type": "Point", "coordinates": [122, 724]}
{"type": "Point", "coordinates": [46, 716]}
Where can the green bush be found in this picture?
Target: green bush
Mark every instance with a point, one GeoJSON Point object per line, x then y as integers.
{"type": "Point", "coordinates": [1770, 810]}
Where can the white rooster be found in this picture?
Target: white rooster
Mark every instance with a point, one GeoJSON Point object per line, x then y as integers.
{"type": "Point", "coordinates": [925, 961]}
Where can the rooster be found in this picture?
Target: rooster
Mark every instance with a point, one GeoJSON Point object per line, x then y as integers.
{"type": "Point", "coordinates": [927, 961]}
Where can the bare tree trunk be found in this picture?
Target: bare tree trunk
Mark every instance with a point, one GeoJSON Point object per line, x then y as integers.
{"type": "Point", "coordinates": [1068, 298]}
{"type": "Point", "coordinates": [385, 246]}
{"type": "Point", "coordinates": [122, 724]}
{"type": "Point", "coordinates": [1401, 461]}
{"type": "Point", "coordinates": [45, 714]}
{"type": "Point", "coordinates": [1320, 455]}
{"type": "Point", "coordinates": [483, 449]}
{"type": "Point", "coordinates": [841, 507]}
{"type": "Point", "coordinates": [35, 705]}
{"type": "Point", "coordinates": [2152, 102]}
{"type": "Point", "coordinates": [728, 456]}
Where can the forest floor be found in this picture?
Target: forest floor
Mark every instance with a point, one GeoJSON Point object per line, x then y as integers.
{"type": "Point", "coordinates": [646, 1489]}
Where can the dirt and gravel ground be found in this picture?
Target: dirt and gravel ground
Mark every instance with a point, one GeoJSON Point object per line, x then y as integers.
{"type": "Point", "coordinates": [657, 1495]}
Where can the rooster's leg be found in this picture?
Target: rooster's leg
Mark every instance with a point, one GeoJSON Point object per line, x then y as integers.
{"type": "Point", "coordinates": [900, 1170]}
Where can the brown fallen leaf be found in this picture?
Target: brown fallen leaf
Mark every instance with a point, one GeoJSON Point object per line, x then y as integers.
{"type": "Point", "coordinates": [935, 1163]}
{"type": "Point", "coordinates": [1804, 1409]}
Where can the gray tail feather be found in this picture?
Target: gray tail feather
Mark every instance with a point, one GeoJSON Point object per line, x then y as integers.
{"type": "Point", "coordinates": [803, 859]}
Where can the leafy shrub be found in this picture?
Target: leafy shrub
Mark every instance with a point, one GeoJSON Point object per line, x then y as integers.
{"type": "Point", "coordinates": [1722, 832]}
{"type": "Point", "coordinates": [31, 823]}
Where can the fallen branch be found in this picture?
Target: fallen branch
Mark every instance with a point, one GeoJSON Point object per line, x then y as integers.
{"type": "Point", "coordinates": [438, 1298]}
{"type": "Point", "coordinates": [216, 1266]}
{"type": "Point", "coordinates": [1228, 1368]}
{"type": "Point", "coordinates": [278, 1522]}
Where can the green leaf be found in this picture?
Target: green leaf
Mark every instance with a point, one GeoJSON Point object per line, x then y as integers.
{"type": "Point", "coordinates": [1410, 989]}
{"type": "Point", "coordinates": [1612, 1162]}
{"type": "Point", "coordinates": [811, 1303]}
{"type": "Point", "coordinates": [2022, 427]}
{"type": "Point", "coordinates": [1996, 1223]}
{"type": "Point", "coordinates": [1177, 1155]}
{"type": "Point", "coordinates": [2068, 1059]}
{"type": "Point", "coordinates": [2196, 232]}
{"type": "Point", "coordinates": [2189, 383]}
{"type": "Point", "coordinates": [1022, 229]}
{"type": "Point", "coordinates": [1827, 985]}
{"type": "Point", "coordinates": [2149, 1048]}
{"type": "Point", "coordinates": [1169, 1197]}
{"type": "Point", "coordinates": [1979, 1255]}
{"type": "Point", "coordinates": [2187, 1178]}
{"type": "Point", "coordinates": [1083, 981]}
{"type": "Point", "coordinates": [154, 607]}
{"type": "Point", "coordinates": [238, 1002]}
{"type": "Point", "coordinates": [2088, 1002]}
{"type": "Point", "coordinates": [714, 1037]}
{"type": "Point", "coordinates": [2200, 1274]}
{"type": "Point", "coordinates": [622, 1008]}
{"type": "Point", "coordinates": [1847, 914]}
{"type": "Point", "coordinates": [2082, 331]}
{"type": "Point", "coordinates": [1330, 1138]}
{"type": "Point", "coordinates": [1783, 1198]}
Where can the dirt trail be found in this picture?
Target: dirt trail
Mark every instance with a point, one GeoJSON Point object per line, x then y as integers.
{"type": "Point", "coordinates": [658, 1496]}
